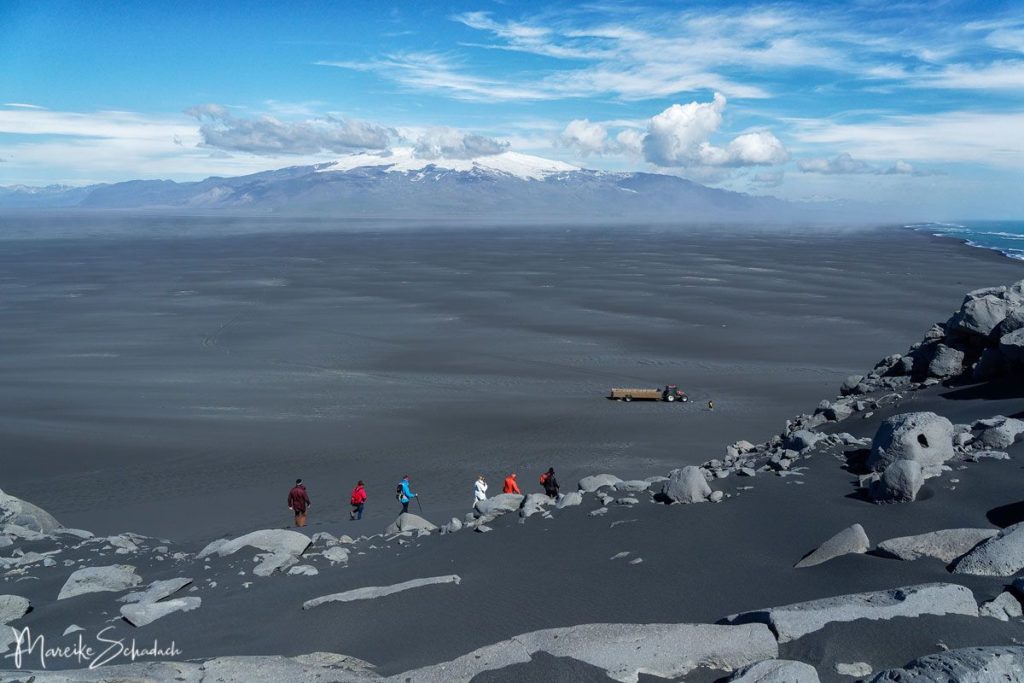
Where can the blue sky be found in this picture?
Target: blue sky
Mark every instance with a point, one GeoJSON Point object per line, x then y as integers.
{"type": "Point", "coordinates": [907, 103]}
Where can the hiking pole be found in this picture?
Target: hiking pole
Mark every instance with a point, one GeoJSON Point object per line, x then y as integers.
{"type": "Point", "coordinates": [420, 504]}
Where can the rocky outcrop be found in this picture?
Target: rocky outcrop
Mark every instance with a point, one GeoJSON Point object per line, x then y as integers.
{"type": "Point", "coordinates": [995, 664]}
{"type": "Point", "coordinates": [623, 651]}
{"type": "Point", "coordinates": [776, 671]}
{"type": "Point", "coordinates": [686, 485]}
{"type": "Point", "coordinates": [26, 515]}
{"type": "Point", "coordinates": [852, 539]}
{"type": "Point", "coordinates": [925, 438]}
{"type": "Point", "coordinates": [114, 578]}
{"type": "Point", "coordinates": [1001, 555]}
{"type": "Point", "coordinates": [795, 621]}
{"type": "Point", "coordinates": [373, 592]}
{"type": "Point", "coordinates": [982, 339]}
{"type": "Point", "coordinates": [945, 545]}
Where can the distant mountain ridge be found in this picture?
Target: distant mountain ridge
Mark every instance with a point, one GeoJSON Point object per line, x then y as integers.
{"type": "Point", "coordinates": [507, 185]}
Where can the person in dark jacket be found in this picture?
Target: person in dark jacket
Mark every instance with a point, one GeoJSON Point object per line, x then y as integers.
{"type": "Point", "coordinates": [549, 483]}
{"type": "Point", "coordinates": [298, 502]}
{"type": "Point", "coordinates": [358, 501]}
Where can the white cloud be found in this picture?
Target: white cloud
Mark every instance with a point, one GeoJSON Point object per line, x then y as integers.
{"type": "Point", "coordinates": [1001, 75]}
{"type": "Point", "coordinates": [677, 136]}
{"type": "Point", "coordinates": [680, 137]}
{"type": "Point", "coordinates": [585, 137]}
{"type": "Point", "coordinates": [843, 164]}
{"type": "Point", "coordinates": [269, 135]}
{"type": "Point", "coordinates": [990, 139]}
{"type": "Point", "coordinates": [756, 149]}
{"type": "Point", "coordinates": [631, 141]}
{"type": "Point", "coordinates": [455, 144]}
{"type": "Point", "coordinates": [433, 72]}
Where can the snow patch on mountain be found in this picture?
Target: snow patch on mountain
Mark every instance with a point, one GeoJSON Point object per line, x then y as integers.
{"type": "Point", "coordinates": [403, 160]}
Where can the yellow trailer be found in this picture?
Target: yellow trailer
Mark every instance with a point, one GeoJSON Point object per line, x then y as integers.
{"type": "Point", "coordinates": [671, 393]}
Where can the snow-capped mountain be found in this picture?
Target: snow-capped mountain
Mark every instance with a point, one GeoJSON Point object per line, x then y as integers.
{"type": "Point", "coordinates": [404, 160]}
{"type": "Point", "coordinates": [501, 187]}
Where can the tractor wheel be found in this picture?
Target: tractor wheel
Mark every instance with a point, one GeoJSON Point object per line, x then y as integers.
{"type": "Point", "coordinates": [670, 398]}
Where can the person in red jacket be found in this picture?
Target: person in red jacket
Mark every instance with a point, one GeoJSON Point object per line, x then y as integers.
{"type": "Point", "coordinates": [510, 485]}
{"type": "Point", "coordinates": [298, 502]}
{"type": "Point", "coordinates": [358, 501]}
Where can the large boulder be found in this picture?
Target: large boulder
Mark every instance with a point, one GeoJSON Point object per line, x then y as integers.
{"type": "Point", "coordinates": [900, 482]}
{"type": "Point", "coordinates": [1001, 555]}
{"type": "Point", "coordinates": [1011, 346]}
{"type": "Point", "coordinates": [24, 514]}
{"type": "Point", "coordinates": [158, 590]}
{"type": "Point", "coordinates": [570, 499]}
{"type": "Point", "coordinates": [924, 437]}
{"type": "Point", "coordinates": [797, 620]}
{"type": "Point", "coordinates": [409, 522]}
{"type": "Point", "coordinates": [114, 578]}
{"type": "Point", "coordinates": [852, 539]}
{"type": "Point", "coordinates": [998, 432]}
{"type": "Point", "coordinates": [142, 613]}
{"type": "Point", "coordinates": [802, 440]}
{"type": "Point", "coordinates": [535, 503]}
{"type": "Point", "coordinates": [686, 485]}
{"type": "Point", "coordinates": [1013, 321]}
{"type": "Point", "coordinates": [776, 671]}
{"type": "Point", "coordinates": [593, 483]}
{"type": "Point", "coordinates": [499, 504]}
{"type": "Point", "coordinates": [1003, 607]}
{"type": "Point", "coordinates": [982, 310]}
{"type": "Point", "coordinates": [945, 545]}
{"type": "Point", "coordinates": [991, 664]}
{"type": "Point", "coordinates": [623, 651]}
{"type": "Point", "coordinates": [947, 362]}
{"type": "Point", "coordinates": [283, 541]}
{"type": "Point", "coordinates": [12, 608]}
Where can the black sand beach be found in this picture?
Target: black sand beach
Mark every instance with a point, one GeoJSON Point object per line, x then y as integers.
{"type": "Point", "coordinates": [176, 387]}
{"type": "Point", "coordinates": [172, 375]}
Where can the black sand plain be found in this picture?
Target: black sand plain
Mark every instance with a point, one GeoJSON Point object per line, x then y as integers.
{"type": "Point", "coordinates": [175, 387]}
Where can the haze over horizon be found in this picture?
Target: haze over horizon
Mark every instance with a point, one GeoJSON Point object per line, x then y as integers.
{"type": "Point", "coordinates": [911, 106]}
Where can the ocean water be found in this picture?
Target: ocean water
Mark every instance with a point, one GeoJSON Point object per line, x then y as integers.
{"type": "Point", "coordinates": [1006, 237]}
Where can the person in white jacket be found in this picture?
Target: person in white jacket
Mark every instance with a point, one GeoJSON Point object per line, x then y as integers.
{"type": "Point", "coordinates": [479, 490]}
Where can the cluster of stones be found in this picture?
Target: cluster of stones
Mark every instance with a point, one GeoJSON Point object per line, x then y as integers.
{"type": "Point", "coordinates": [983, 339]}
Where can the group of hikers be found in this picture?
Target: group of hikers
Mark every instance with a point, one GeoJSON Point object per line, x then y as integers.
{"type": "Point", "coordinates": [299, 503]}
{"type": "Point", "coordinates": [547, 480]}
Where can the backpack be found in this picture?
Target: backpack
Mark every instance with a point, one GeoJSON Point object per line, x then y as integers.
{"type": "Point", "coordinates": [398, 492]}
{"type": "Point", "coordinates": [544, 478]}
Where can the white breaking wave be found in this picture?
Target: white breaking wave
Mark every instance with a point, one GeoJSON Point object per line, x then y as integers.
{"type": "Point", "coordinates": [402, 160]}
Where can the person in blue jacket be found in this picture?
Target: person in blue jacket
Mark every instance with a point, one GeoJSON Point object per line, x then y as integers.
{"type": "Point", "coordinates": [404, 494]}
